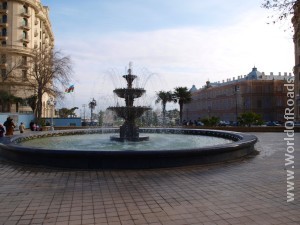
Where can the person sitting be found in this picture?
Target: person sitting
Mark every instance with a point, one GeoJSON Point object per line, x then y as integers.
{"type": "Point", "coordinates": [22, 128]}
{"type": "Point", "coordinates": [2, 130]}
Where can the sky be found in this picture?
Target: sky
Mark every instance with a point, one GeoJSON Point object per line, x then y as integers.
{"type": "Point", "coordinates": [171, 43]}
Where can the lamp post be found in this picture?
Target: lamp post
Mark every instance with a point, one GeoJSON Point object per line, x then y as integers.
{"type": "Point", "coordinates": [84, 105]}
{"type": "Point", "coordinates": [51, 102]}
{"type": "Point", "coordinates": [236, 90]}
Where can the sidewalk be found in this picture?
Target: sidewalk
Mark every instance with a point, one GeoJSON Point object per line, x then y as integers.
{"type": "Point", "coordinates": [248, 191]}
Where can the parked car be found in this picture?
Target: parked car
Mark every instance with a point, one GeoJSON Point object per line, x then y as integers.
{"type": "Point", "coordinates": [224, 123]}
{"type": "Point", "coordinates": [297, 124]}
{"type": "Point", "coordinates": [199, 123]}
{"type": "Point", "coordinates": [272, 124]}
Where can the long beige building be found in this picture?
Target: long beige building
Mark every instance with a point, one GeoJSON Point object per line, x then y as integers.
{"type": "Point", "coordinates": [255, 92]}
{"type": "Point", "coordinates": [25, 26]}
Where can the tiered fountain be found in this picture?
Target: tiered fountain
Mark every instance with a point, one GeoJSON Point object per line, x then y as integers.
{"type": "Point", "coordinates": [129, 131]}
{"type": "Point", "coordinates": [91, 148]}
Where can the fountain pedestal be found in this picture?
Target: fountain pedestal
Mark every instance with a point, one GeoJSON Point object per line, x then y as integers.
{"type": "Point", "coordinates": [129, 131]}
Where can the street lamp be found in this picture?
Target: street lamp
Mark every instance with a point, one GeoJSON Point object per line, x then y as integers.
{"type": "Point", "coordinates": [236, 90]}
{"type": "Point", "coordinates": [84, 105]}
{"type": "Point", "coordinates": [52, 103]}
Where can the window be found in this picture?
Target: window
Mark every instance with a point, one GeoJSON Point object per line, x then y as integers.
{"type": "Point", "coordinates": [24, 35]}
{"type": "Point", "coordinates": [259, 104]}
{"type": "Point", "coordinates": [25, 22]}
{"type": "Point", "coordinates": [3, 58]}
{"type": "Point", "coordinates": [3, 73]}
{"type": "Point", "coordinates": [4, 32]}
{"type": "Point", "coordinates": [4, 5]}
{"type": "Point", "coordinates": [25, 9]}
{"type": "Point", "coordinates": [4, 19]}
{"type": "Point", "coordinates": [24, 75]}
{"type": "Point", "coordinates": [24, 60]}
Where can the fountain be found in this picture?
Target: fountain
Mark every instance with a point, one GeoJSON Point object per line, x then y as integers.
{"type": "Point", "coordinates": [93, 149]}
{"type": "Point", "coordinates": [129, 131]}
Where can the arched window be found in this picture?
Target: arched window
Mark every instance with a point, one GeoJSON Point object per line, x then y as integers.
{"type": "Point", "coordinates": [24, 35]}
{"type": "Point", "coordinates": [25, 8]}
{"type": "Point", "coordinates": [4, 19]}
{"type": "Point", "coordinates": [25, 22]}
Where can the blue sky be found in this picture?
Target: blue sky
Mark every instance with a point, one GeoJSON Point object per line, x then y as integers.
{"type": "Point", "coordinates": [170, 42]}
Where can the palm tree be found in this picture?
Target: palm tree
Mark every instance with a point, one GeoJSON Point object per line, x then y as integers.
{"type": "Point", "coordinates": [182, 96]}
{"type": "Point", "coordinates": [164, 98]}
{"type": "Point", "coordinates": [7, 99]}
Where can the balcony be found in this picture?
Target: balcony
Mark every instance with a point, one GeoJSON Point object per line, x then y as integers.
{"type": "Point", "coordinates": [3, 37]}
{"type": "Point", "coordinates": [25, 39]}
{"type": "Point", "coordinates": [3, 24]}
{"type": "Point", "coordinates": [3, 65]}
{"type": "Point", "coordinates": [25, 27]}
{"type": "Point", "coordinates": [3, 10]}
{"type": "Point", "coordinates": [25, 14]}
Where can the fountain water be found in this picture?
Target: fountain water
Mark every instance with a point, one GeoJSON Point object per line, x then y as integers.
{"type": "Point", "coordinates": [129, 131]}
{"type": "Point", "coordinates": [167, 147]}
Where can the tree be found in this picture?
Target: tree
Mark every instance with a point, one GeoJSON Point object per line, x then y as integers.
{"type": "Point", "coordinates": [65, 112]}
{"type": "Point", "coordinates": [211, 121]}
{"type": "Point", "coordinates": [7, 99]}
{"type": "Point", "coordinates": [164, 98]}
{"type": "Point", "coordinates": [250, 118]}
{"type": "Point", "coordinates": [48, 69]}
{"type": "Point", "coordinates": [284, 8]}
{"type": "Point", "coordinates": [101, 118]}
{"type": "Point", "coordinates": [182, 96]}
{"type": "Point", "coordinates": [13, 64]}
{"type": "Point", "coordinates": [31, 101]}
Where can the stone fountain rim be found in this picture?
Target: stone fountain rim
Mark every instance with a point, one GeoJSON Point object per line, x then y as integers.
{"type": "Point", "coordinates": [128, 159]}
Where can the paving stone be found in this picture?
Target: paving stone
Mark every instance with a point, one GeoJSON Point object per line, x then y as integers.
{"type": "Point", "coordinates": [248, 191]}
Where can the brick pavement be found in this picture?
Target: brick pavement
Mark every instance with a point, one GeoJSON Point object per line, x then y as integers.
{"type": "Point", "coordinates": [247, 191]}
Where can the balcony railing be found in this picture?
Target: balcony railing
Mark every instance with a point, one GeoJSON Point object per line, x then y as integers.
{"type": "Point", "coordinates": [25, 14]}
{"type": "Point", "coordinates": [3, 37]}
{"type": "Point", "coordinates": [25, 27]}
{"type": "Point", "coordinates": [25, 39]}
{"type": "Point", "coordinates": [3, 24]}
{"type": "Point", "coordinates": [3, 10]}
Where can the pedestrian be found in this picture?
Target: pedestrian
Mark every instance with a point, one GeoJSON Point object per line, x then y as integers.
{"type": "Point", "coordinates": [2, 130]}
{"type": "Point", "coordinates": [22, 128]}
{"type": "Point", "coordinates": [9, 125]}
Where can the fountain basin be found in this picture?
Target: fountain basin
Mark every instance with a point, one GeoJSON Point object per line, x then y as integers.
{"type": "Point", "coordinates": [242, 145]}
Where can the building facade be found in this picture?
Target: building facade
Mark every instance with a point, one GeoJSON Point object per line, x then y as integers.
{"type": "Point", "coordinates": [255, 92]}
{"type": "Point", "coordinates": [296, 24]}
{"type": "Point", "coordinates": [24, 26]}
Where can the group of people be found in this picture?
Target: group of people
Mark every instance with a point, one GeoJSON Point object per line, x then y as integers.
{"type": "Point", "coordinates": [8, 127]}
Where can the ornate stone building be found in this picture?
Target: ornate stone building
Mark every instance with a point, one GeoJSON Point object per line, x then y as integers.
{"type": "Point", "coordinates": [255, 92]}
{"type": "Point", "coordinates": [24, 26]}
{"type": "Point", "coordinates": [296, 22]}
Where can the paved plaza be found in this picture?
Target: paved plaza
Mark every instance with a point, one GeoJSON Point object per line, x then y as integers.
{"type": "Point", "coordinates": [252, 190]}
